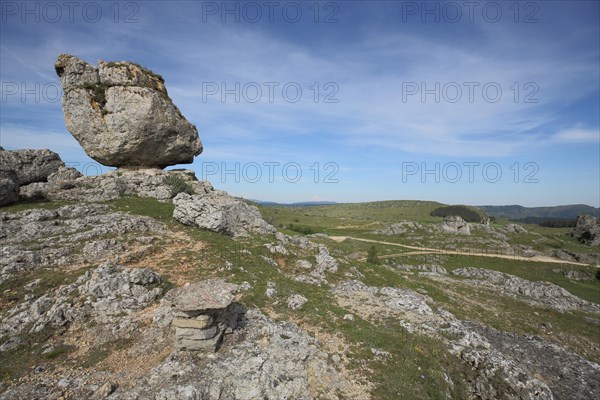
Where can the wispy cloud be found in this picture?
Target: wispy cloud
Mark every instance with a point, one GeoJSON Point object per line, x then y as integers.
{"type": "Point", "coordinates": [545, 72]}
{"type": "Point", "coordinates": [577, 135]}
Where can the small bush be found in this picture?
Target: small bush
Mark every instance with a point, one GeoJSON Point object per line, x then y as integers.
{"type": "Point", "coordinates": [178, 185]}
{"type": "Point", "coordinates": [598, 274]}
{"type": "Point", "coordinates": [372, 256]}
{"type": "Point", "coordinates": [305, 230]}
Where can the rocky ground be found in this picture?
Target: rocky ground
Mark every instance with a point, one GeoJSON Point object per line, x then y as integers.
{"type": "Point", "coordinates": [83, 313]}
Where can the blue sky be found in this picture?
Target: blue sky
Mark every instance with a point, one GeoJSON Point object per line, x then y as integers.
{"type": "Point", "coordinates": [473, 103]}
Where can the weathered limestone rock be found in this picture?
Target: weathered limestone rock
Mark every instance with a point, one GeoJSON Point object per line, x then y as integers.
{"type": "Point", "coordinates": [104, 294]}
{"type": "Point", "coordinates": [399, 228]}
{"type": "Point", "coordinates": [515, 228]}
{"type": "Point", "coordinates": [455, 224]}
{"type": "Point", "coordinates": [122, 116]}
{"type": "Point", "coordinates": [219, 212]}
{"type": "Point", "coordinates": [31, 165]}
{"type": "Point", "coordinates": [200, 322]}
{"type": "Point", "coordinates": [203, 313]}
{"type": "Point", "coordinates": [541, 293]}
{"type": "Point", "coordinates": [66, 184]}
{"type": "Point", "coordinates": [9, 186]}
{"type": "Point", "coordinates": [587, 230]}
{"type": "Point", "coordinates": [22, 167]}
{"type": "Point", "coordinates": [296, 301]}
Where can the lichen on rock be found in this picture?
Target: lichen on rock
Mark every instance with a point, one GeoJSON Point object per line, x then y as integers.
{"type": "Point", "coordinates": [122, 115]}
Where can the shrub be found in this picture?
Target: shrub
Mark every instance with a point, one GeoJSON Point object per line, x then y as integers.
{"type": "Point", "coordinates": [305, 230]}
{"type": "Point", "coordinates": [178, 185]}
{"type": "Point", "coordinates": [464, 212]}
{"type": "Point", "coordinates": [372, 256]}
{"type": "Point", "coordinates": [598, 274]}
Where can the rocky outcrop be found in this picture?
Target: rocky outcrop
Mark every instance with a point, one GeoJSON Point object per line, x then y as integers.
{"type": "Point", "coordinates": [122, 116]}
{"type": "Point", "coordinates": [72, 234]}
{"type": "Point", "coordinates": [325, 262]}
{"type": "Point", "coordinates": [202, 314]}
{"type": "Point", "coordinates": [434, 269]}
{"type": "Point", "coordinates": [455, 225]}
{"type": "Point", "coordinates": [219, 212]}
{"type": "Point", "coordinates": [543, 294]}
{"type": "Point", "coordinates": [502, 364]}
{"type": "Point", "coordinates": [67, 184]}
{"type": "Point", "coordinates": [9, 186]}
{"type": "Point", "coordinates": [262, 359]}
{"type": "Point", "coordinates": [22, 167]}
{"type": "Point", "coordinates": [296, 301]}
{"type": "Point", "coordinates": [108, 291]}
{"type": "Point", "coordinates": [587, 230]}
{"type": "Point", "coordinates": [399, 228]}
{"type": "Point", "coordinates": [514, 228]}
{"type": "Point", "coordinates": [31, 165]}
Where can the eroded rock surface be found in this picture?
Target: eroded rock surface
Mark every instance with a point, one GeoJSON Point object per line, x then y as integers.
{"type": "Point", "coordinates": [263, 359]}
{"type": "Point", "coordinates": [22, 167]}
{"type": "Point", "coordinates": [455, 224]}
{"type": "Point", "coordinates": [219, 212]}
{"type": "Point", "coordinates": [108, 291]}
{"type": "Point", "coordinates": [67, 184]}
{"type": "Point", "coordinates": [31, 165]}
{"type": "Point", "coordinates": [122, 116]}
{"type": "Point", "coordinates": [587, 230]}
{"type": "Point", "coordinates": [67, 236]}
{"type": "Point", "coordinates": [543, 294]}
{"type": "Point", "coordinates": [528, 367]}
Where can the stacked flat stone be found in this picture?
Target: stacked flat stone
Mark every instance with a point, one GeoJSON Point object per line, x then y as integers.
{"type": "Point", "coordinates": [201, 314]}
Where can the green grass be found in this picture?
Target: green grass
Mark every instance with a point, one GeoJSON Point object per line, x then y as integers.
{"type": "Point", "coordinates": [416, 364]}
{"type": "Point", "coordinates": [18, 362]}
{"type": "Point", "coordinates": [330, 216]}
{"type": "Point", "coordinates": [12, 292]}
{"type": "Point", "coordinates": [35, 204]}
{"type": "Point", "coordinates": [145, 206]}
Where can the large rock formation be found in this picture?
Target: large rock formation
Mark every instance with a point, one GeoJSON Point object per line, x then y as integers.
{"type": "Point", "coordinates": [22, 167]}
{"type": "Point", "coordinates": [122, 116]}
{"type": "Point", "coordinates": [31, 165]}
{"type": "Point", "coordinates": [587, 230]}
{"type": "Point", "coordinates": [455, 224]}
{"type": "Point", "coordinates": [67, 184]}
{"type": "Point", "coordinates": [9, 186]}
{"type": "Point", "coordinates": [219, 212]}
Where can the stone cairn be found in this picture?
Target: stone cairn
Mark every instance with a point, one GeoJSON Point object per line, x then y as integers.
{"type": "Point", "coordinates": [202, 313]}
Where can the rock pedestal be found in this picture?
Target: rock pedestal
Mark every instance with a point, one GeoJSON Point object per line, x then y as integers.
{"type": "Point", "coordinates": [202, 314]}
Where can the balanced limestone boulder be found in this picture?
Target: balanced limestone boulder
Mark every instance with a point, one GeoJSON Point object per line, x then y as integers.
{"type": "Point", "coordinates": [202, 313]}
{"type": "Point", "coordinates": [122, 116]}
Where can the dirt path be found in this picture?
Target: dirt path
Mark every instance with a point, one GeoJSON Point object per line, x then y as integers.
{"type": "Point", "coordinates": [428, 250]}
{"type": "Point", "coordinates": [356, 226]}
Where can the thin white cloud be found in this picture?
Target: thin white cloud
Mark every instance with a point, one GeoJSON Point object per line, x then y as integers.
{"type": "Point", "coordinates": [577, 135]}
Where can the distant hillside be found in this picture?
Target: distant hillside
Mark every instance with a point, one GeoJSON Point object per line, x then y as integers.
{"type": "Point", "coordinates": [298, 204]}
{"type": "Point", "coordinates": [519, 212]}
